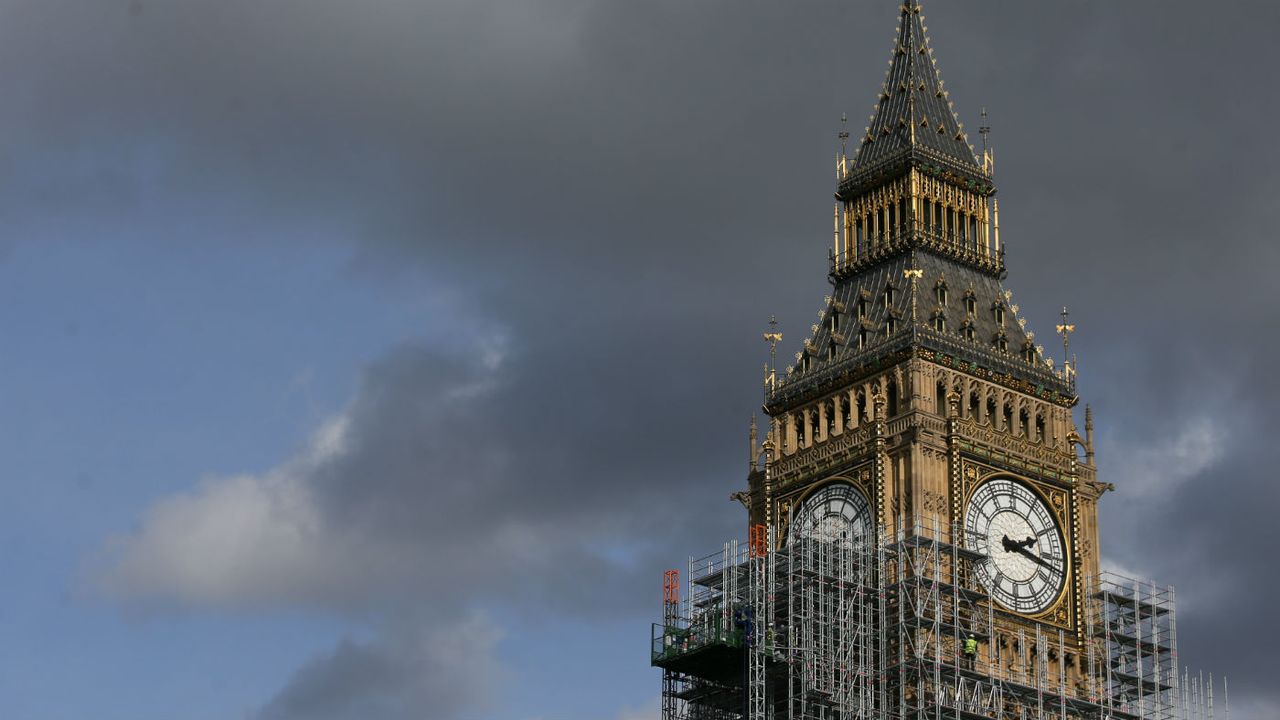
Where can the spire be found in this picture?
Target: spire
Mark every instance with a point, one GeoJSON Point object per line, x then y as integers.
{"type": "Point", "coordinates": [913, 111]}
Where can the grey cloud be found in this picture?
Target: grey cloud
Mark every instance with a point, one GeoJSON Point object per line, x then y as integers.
{"type": "Point", "coordinates": [450, 478]}
{"type": "Point", "coordinates": [435, 671]}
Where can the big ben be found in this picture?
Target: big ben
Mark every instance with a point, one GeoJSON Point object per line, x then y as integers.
{"type": "Point", "coordinates": [922, 505]}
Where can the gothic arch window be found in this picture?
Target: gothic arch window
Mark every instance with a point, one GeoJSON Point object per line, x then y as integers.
{"type": "Point", "coordinates": [968, 330]}
{"type": "Point", "coordinates": [804, 362]}
{"type": "Point", "coordinates": [888, 296]}
{"type": "Point", "coordinates": [970, 304]}
{"type": "Point", "coordinates": [998, 311]}
{"type": "Point", "coordinates": [835, 320]}
{"type": "Point", "coordinates": [892, 408]}
{"type": "Point", "coordinates": [1002, 342]}
{"type": "Point", "coordinates": [940, 292]}
{"type": "Point", "coordinates": [940, 399]}
{"type": "Point", "coordinates": [940, 321]}
{"type": "Point", "coordinates": [862, 308]}
{"type": "Point", "coordinates": [831, 350]}
{"type": "Point", "coordinates": [890, 326]}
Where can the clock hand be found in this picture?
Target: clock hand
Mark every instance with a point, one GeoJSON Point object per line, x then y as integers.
{"type": "Point", "coordinates": [1015, 545]}
{"type": "Point", "coordinates": [1036, 558]}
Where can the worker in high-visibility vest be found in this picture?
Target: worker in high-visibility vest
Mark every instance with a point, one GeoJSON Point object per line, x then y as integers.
{"type": "Point", "coordinates": [970, 650]}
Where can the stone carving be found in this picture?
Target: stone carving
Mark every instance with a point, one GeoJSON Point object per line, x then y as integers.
{"type": "Point", "coordinates": [1014, 445]}
{"type": "Point", "coordinates": [934, 502]}
{"type": "Point", "coordinates": [1058, 500]}
{"type": "Point", "coordinates": [821, 452]}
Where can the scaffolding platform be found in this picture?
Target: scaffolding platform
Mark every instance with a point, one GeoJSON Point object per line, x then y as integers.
{"type": "Point", "coordinates": [822, 629]}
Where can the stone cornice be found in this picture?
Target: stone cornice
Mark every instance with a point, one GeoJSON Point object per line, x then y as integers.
{"type": "Point", "coordinates": [919, 341]}
{"type": "Point", "coordinates": [931, 163]}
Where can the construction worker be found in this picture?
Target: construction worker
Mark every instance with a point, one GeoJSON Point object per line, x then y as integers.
{"type": "Point", "coordinates": [970, 650]}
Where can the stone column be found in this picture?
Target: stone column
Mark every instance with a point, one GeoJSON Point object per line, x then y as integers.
{"type": "Point", "coordinates": [822, 421]}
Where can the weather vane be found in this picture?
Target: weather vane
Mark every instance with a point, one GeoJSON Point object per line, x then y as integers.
{"type": "Point", "coordinates": [842, 165]}
{"type": "Point", "coordinates": [773, 337]}
{"type": "Point", "coordinates": [1065, 331]}
{"type": "Point", "coordinates": [984, 130]}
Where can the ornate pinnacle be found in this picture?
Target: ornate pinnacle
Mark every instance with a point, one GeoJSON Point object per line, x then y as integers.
{"type": "Point", "coordinates": [913, 274]}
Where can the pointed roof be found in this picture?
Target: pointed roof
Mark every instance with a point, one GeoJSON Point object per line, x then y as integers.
{"type": "Point", "coordinates": [973, 321]}
{"type": "Point", "coordinates": [917, 292]}
{"type": "Point", "coordinates": [913, 111]}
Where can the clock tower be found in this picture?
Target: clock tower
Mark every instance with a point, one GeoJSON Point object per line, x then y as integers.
{"type": "Point", "coordinates": [923, 509]}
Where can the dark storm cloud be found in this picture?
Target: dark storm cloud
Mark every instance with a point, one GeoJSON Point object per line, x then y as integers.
{"type": "Point", "coordinates": [630, 189]}
{"type": "Point", "coordinates": [398, 677]}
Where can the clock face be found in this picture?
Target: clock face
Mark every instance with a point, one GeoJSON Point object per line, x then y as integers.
{"type": "Point", "coordinates": [1026, 565]}
{"type": "Point", "coordinates": [837, 513]}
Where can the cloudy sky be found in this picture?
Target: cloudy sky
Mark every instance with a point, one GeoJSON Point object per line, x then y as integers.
{"type": "Point", "coordinates": [371, 359]}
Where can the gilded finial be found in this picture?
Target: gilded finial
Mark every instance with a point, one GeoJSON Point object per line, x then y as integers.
{"type": "Point", "coordinates": [913, 274]}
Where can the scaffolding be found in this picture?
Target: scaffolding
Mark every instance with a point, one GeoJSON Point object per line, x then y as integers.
{"type": "Point", "coordinates": [820, 629]}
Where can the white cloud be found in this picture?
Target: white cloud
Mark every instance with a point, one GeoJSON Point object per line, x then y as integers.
{"type": "Point", "coordinates": [370, 507]}
{"type": "Point", "coordinates": [1109, 565]}
{"type": "Point", "coordinates": [432, 486]}
{"type": "Point", "coordinates": [1154, 469]}
{"type": "Point", "coordinates": [231, 539]}
{"type": "Point", "coordinates": [648, 711]}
